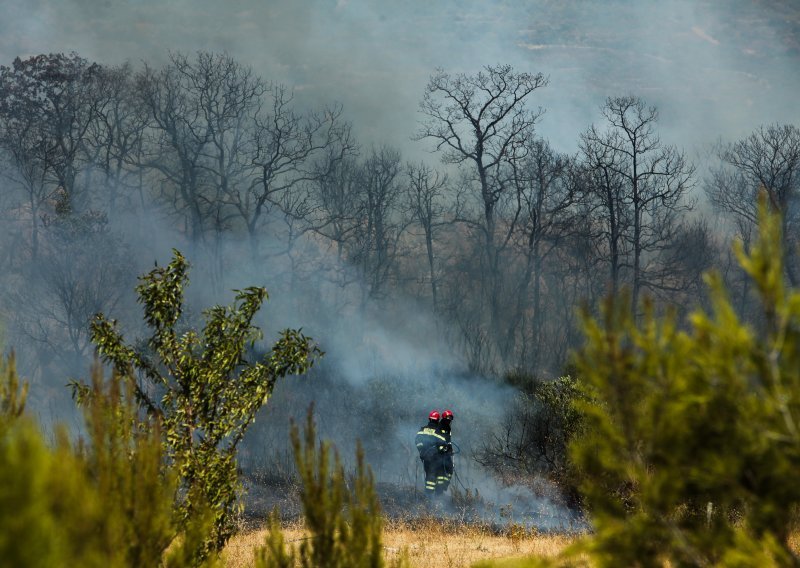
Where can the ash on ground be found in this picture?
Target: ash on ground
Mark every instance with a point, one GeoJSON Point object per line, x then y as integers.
{"type": "Point", "coordinates": [511, 507]}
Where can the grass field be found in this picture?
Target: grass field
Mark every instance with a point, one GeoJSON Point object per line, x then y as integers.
{"type": "Point", "coordinates": [432, 545]}
{"type": "Point", "coordinates": [428, 544]}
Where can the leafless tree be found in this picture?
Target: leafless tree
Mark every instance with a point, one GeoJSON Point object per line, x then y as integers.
{"type": "Point", "coordinates": [642, 184]}
{"type": "Point", "coordinates": [83, 268]}
{"type": "Point", "coordinates": [334, 213]}
{"type": "Point", "coordinates": [48, 103]}
{"type": "Point", "coordinates": [481, 122]}
{"type": "Point", "coordinates": [426, 199]}
{"type": "Point", "coordinates": [26, 167]}
{"type": "Point", "coordinates": [291, 151]}
{"type": "Point", "coordinates": [336, 205]}
{"type": "Point", "coordinates": [606, 207]}
{"type": "Point", "coordinates": [115, 145]}
{"type": "Point", "coordinates": [175, 144]}
{"type": "Point", "coordinates": [768, 160]}
{"type": "Point", "coordinates": [545, 193]}
{"type": "Point", "coordinates": [378, 231]}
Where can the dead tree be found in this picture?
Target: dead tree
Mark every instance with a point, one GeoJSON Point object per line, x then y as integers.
{"type": "Point", "coordinates": [651, 179]}
{"type": "Point", "coordinates": [546, 194]}
{"type": "Point", "coordinates": [426, 194]}
{"type": "Point", "coordinates": [480, 122]}
{"type": "Point", "coordinates": [768, 160]}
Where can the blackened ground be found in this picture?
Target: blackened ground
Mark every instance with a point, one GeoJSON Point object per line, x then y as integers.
{"type": "Point", "coordinates": [406, 503]}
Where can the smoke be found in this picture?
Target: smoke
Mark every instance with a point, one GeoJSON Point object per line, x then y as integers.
{"type": "Point", "coordinates": [713, 70]}
{"type": "Point", "coordinates": [386, 367]}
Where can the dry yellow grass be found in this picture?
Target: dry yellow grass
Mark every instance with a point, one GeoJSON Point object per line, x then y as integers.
{"type": "Point", "coordinates": [451, 546]}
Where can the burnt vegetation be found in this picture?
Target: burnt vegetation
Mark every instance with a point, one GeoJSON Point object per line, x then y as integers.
{"type": "Point", "coordinates": [499, 240]}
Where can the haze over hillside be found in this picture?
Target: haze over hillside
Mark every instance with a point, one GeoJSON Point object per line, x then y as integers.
{"type": "Point", "coordinates": [413, 311]}
{"type": "Point", "coordinates": [713, 68]}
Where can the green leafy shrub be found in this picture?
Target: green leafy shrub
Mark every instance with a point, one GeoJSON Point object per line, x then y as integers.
{"type": "Point", "coordinates": [691, 453]}
{"type": "Point", "coordinates": [342, 514]}
{"type": "Point", "coordinates": [201, 386]}
{"type": "Point", "coordinates": [534, 435]}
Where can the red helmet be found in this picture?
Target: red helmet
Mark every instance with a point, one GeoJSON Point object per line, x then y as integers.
{"type": "Point", "coordinates": [434, 415]}
{"type": "Point", "coordinates": [447, 415]}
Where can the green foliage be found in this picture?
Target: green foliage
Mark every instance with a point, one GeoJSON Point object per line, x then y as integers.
{"type": "Point", "coordinates": [200, 386]}
{"type": "Point", "coordinates": [534, 436]}
{"type": "Point", "coordinates": [692, 448]}
{"type": "Point", "coordinates": [125, 460]}
{"type": "Point", "coordinates": [342, 514]}
{"type": "Point", "coordinates": [12, 396]}
{"type": "Point", "coordinates": [275, 553]}
{"type": "Point", "coordinates": [49, 516]}
{"type": "Point", "coordinates": [692, 452]}
{"type": "Point", "coordinates": [106, 502]}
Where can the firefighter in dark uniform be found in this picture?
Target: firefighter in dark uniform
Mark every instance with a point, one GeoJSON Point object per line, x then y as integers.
{"type": "Point", "coordinates": [443, 481]}
{"type": "Point", "coordinates": [431, 445]}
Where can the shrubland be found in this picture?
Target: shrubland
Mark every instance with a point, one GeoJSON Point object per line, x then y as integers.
{"type": "Point", "coordinates": [104, 500]}
{"type": "Point", "coordinates": [341, 512]}
{"type": "Point", "coordinates": [202, 386]}
{"type": "Point", "coordinates": [152, 478]}
{"type": "Point", "coordinates": [533, 437]}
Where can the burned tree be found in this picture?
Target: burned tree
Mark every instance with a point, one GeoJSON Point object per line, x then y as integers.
{"type": "Point", "coordinates": [640, 186]}
{"type": "Point", "coordinates": [481, 122]}
{"type": "Point", "coordinates": [768, 160]}
{"type": "Point", "coordinates": [426, 192]}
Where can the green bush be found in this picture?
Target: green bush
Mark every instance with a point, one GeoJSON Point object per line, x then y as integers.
{"type": "Point", "coordinates": [154, 481]}
{"type": "Point", "coordinates": [534, 435]}
{"type": "Point", "coordinates": [692, 450]}
{"type": "Point", "coordinates": [342, 514]}
{"type": "Point", "coordinates": [12, 394]}
{"type": "Point", "coordinates": [201, 386]}
{"type": "Point", "coordinates": [105, 502]}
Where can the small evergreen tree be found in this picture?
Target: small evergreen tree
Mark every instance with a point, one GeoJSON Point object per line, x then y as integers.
{"type": "Point", "coordinates": [201, 386]}
{"type": "Point", "coordinates": [342, 515]}
{"type": "Point", "coordinates": [12, 394]}
{"type": "Point", "coordinates": [105, 503]}
{"type": "Point", "coordinates": [692, 448]}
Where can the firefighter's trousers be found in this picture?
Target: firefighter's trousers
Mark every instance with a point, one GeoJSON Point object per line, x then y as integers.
{"type": "Point", "coordinates": [438, 471]}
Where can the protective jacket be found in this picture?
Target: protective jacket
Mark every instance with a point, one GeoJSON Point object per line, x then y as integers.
{"type": "Point", "coordinates": [433, 448]}
{"type": "Point", "coordinates": [429, 440]}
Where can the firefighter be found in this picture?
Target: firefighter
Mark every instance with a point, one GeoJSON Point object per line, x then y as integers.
{"type": "Point", "coordinates": [430, 444]}
{"type": "Point", "coordinates": [443, 481]}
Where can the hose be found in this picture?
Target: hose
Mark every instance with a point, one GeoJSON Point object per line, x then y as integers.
{"type": "Point", "coordinates": [457, 450]}
{"type": "Point", "coordinates": [416, 477]}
